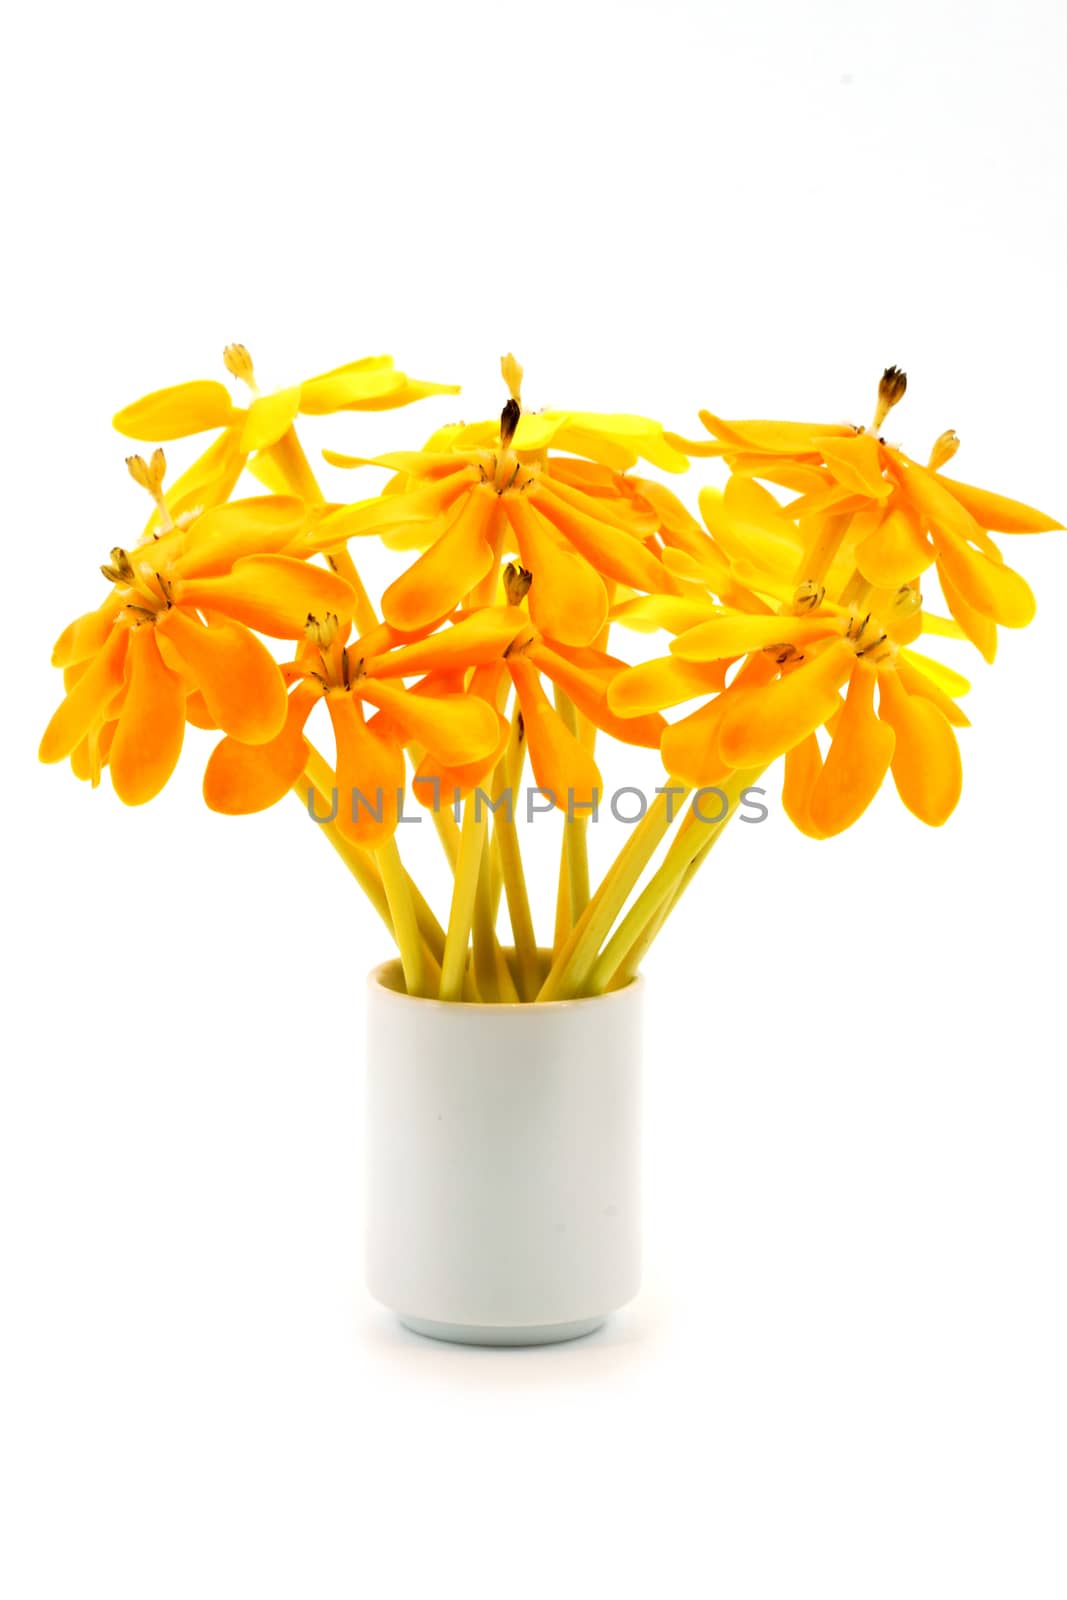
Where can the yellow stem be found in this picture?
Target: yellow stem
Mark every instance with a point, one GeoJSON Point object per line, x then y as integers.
{"type": "Point", "coordinates": [447, 831]}
{"type": "Point", "coordinates": [397, 887]}
{"type": "Point", "coordinates": [461, 914]}
{"type": "Point", "coordinates": [359, 864]}
{"type": "Point", "coordinates": [288, 456]}
{"type": "Point", "coordinates": [561, 932]}
{"type": "Point", "coordinates": [856, 590]}
{"type": "Point", "coordinates": [572, 966]}
{"type": "Point", "coordinates": [575, 842]}
{"type": "Point", "coordinates": [819, 556]}
{"type": "Point", "coordinates": [294, 466]}
{"type": "Point", "coordinates": [320, 775]}
{"type": "Point", "coordinates": [624, 952]}
{"type": "Point", "coordinates": [491, 971]}
{"type": "Point", "coordinates": [506, 839]}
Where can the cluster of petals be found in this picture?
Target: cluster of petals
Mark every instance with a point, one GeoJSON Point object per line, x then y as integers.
{"type": "Point", "coordinates": [793, 608]}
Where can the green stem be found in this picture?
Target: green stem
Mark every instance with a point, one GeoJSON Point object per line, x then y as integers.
{"type": "Point", "coordinates": [359, 864]}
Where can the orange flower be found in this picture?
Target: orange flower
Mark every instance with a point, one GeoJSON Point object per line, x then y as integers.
{"type": "Point", "coordinates": [563, 763]}
{"type": "Point", "coordinates": [455, 728]}
{"type": "Point", "coordinates": [892, 516]}
{"type": "Point", "coordinates": [479, 493]}
{"type": "Point", "coordinates": [174, 639]}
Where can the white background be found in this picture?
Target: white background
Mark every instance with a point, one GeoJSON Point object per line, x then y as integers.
{"type": "Point", "coordinates": [845, 1376]}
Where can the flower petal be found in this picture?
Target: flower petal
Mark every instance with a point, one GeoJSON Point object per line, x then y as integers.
{"type": "Point", "coordinates": [590, 695]}
{"type": "Point", "coordinates": [242, 778]}
{"type": "Point", "coordinates": [561, 764]}
{"type": "Point", "coordinates": [927, 769]}
{"type": "Point", "coordinates": [348, 388]}
{"type": "Point", "coordinates": [606, 502]}
{"type": "Point", "coordinates": [780, 438]}
{"type": "Point", "coordinates": [370, 775]}
{"type": "Point", "coordinates": [88, 699]}
{"type": "Point", "coordinates": [979, 629]}
{"type": "Point", "coordinates": [856, 463]}
{"type": "Point", "coordinates": [175, 413]}
{"type": "Point", "coordinates": [749, 524]}
{"type": "Point", "coordinates": [991, 588]}
{"type": "Point", "coordinates": [475, 639]}
{"type": "Point", "coordinates": [983, 580]}
{"type": "Point", "coordinates": [667, 613]}
{"type": "Point", "coordinates": [208, 482]}
{"type": "Point", "coordinates": [996, 512]}
{"type": "Point", "coordinates": [729, 635]}
{"type": "Point", "coordinates": [272, 594]}
{"type": "Point", "coordinates": [950, 682]}
{"type": "Point", "coordinates": [763, 722]}
{"type": "Point", "coordinates": [894, 552]}
{"type": "Point", "coordinates": [269, 417]}
{"type": "Point", "coordinates": [656, 685]}
{"type": "Point", "coordinates": [858, 761]}
{"type": "Point", "coordinates": [238, 677]}
{"type": "Point", "coordinates": [87, 634]}
{"type": "Point", "coordinates": [803, 765]}
{"type": "Point", "coordinates": [224, 534]}
{"type": "Point", "coordinates": [451, 568]}
{"type": "Point", "coordinates": [456, 728]}
{"type": "Point", "coordinates": [690, 748]}
{"type": "Point", "coordinates": [568, 600]}
{"type": "Point", "coordinates": [609, 549]}
{"type": "Point", "coordinates": [917, 682]}
{"type": "Point", "coordinates": [151, 724]}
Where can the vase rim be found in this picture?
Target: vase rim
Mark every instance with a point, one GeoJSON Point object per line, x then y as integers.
{"type": "Point", "coordinates": [377, 979]}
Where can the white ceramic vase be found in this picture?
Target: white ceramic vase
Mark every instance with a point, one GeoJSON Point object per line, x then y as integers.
{"type": "Point", "coordinates": [503, 1163]}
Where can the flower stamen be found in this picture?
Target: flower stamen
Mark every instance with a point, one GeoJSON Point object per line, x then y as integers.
{"type": "Point", "coordinates": [945, 447]}
{"type": "Point", "coordinates": [239, 365]}
{"type": "Point", "coordinates": [891, 390]}
{"type": "Point", "coordinates": [150, 475]}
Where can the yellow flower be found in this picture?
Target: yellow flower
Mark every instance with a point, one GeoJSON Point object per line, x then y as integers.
{"type": "Point", "coordinates": [893, 516]}
{"type": "Point", "coordinates": [771, 665]}
{"type": "Point", "coordinates": [264, 427]}
{"type": "Point", "coordinates": [477, 494]}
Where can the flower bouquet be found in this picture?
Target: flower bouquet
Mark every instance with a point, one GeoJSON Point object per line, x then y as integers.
{"type": "Point", "coordinates": [504, 1068]}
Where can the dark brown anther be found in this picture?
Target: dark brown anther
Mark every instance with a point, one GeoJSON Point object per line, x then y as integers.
{"type": "Point", "coordinates": [509, 421]}
{"type": "Point", "coordinates": [120, 569]}
{"type": "Point", "coordinates": [891, 390]}
{"type": "Point", "coordinates": [517, 581]}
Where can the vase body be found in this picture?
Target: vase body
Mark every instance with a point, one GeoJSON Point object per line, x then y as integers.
{"type": "Point", "coordinates": [502, 1162]}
